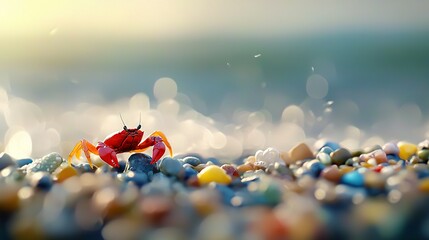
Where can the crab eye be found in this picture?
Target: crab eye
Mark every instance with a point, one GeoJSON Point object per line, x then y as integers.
{"type": "Point", "coordinates": [125, 128]}
{"type": "Point", "coordinates": [139, 126]}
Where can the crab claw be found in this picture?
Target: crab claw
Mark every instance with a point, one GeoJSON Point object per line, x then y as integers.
{"type": "Point", "coordinates": [158, 151]}
{"type": "Point", "coordinates": [107, 154]}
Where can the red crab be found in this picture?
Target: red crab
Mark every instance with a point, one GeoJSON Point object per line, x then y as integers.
{"type": "Point", "coordinates": [127, 140]}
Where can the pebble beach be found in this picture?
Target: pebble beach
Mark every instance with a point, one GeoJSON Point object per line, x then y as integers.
{"type": "Point", "coordinates": [307, 192]}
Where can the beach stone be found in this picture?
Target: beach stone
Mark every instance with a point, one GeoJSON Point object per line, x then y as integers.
{"type": "Point", "coordinates": [190, 172]}
{"type": "Point", "coordinates": [269, 155]}
{"type": "Point", "coordinates": [194, 161]}
{"type": "Point", "coordinates": [406, 150]}
{"type": "Point", "coordinates": [230, 170]}
{"type": "Point", "coordinates": [244, 168]}
{"type": "Point", "coordinates": [340, 156]}
{"type": "Point", "coordinates": [326, 150]}
{"type": "Point", "coordinates": [353, 178]}
{"type": "Point", "coordinates": [6, 160]}
{"type": "Point", "coordinates": [213, 174]}
{"type": "Point", "coordinates": [138, 178]}
{"type": "Point", "coordinates": [331, 173]}
{"type": "Point", "coordinates": [41, 180]}
{"type": "Point", "coordinates": [48, 163]}
{"type": "Point", "coordinates": [171, 167]}
{"type": "Point", "coordinates": [140, 163]}
{"type": "Point", "coordinates": [65, 173]}
{"type": "Point", "coordinates": [423, 154]}
{"type": "Point", "coordinates": [390, 148]}
{"type": "Point", "coordinates": [324, 158]}
{"type": "Point", "coordinates": [23, 162]}
{"type": "Point", "coordinates": [332, 145]}
{"type": "Point", "coordinates": [300, 152]}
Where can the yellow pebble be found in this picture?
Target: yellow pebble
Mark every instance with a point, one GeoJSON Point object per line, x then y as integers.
{"type": "Point", "coordinates": [406, 150]}
{"type": "Point", "coordinates": [424, 185]}
{"type": "Point", "coordinates": [66, 173]}
{"type": "Point", "coordinates": [213, 173]}
{"type": "Point", "coordinates": [366, 165]}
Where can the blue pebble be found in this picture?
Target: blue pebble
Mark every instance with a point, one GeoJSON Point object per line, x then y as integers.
{"type": "Point", "coordinates": [140, 162]}
{"type": "Point", "coordinates": [326, 150]}
{"type": "Point", "coordinates": [215, 161]}
{"type": "Point", "coordinates": [354, 179]}
{"type": "Point", "coordinates": [23, 162]}
{"type": "Point", "coordinates": [402, 163]}
{"type": "Point", "coordinates": [189, 172]}
{"type": "Point", "coordinates": [422, 173]}
{"type": "Point", "coordinates": [332, 145]}
{"type": "Point", "coordinates": [316, 168]}
{"type": "Point", "coordinates": [138, 178]}
{"type": "Point", "coordinates": [85, 167]}
{"type": "Point", "coordinates": [393, 157]}
{"type": "Point", "coordinates": [6, 160]}
{"type": "Point", "coordinates": [42, 181]}
{"type": "Point", "coordinates": [194, 161]}
{"type": "Point", "coordinates": [171, 167]}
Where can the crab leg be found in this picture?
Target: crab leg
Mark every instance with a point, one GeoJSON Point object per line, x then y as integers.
{"type": "Point", "coordinates": [87, 148]}
{"type": "Point", "coordinates": [159, 142]}
{"type": "Point", "coordinates": [107, 154]}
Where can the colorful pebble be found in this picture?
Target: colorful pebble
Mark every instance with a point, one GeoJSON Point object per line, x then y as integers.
{"type": "Point", "coordinates": [213, 174]}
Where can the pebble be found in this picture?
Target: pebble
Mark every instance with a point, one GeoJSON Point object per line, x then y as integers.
{"type": "Point", "coordinates": [340, 156]}
{"type": "Point", "coordinates": [41, 180]}
{"type": "Point", "coordinates": [65, 173]}
{"type": "Point", "coordinates": [300, 152]}
{"type": "Point", "coordinates": [324, 158]}
{"type": "Point", "coordinates": [23, 162]}
{"type": "Point", "coordinates": [48, 163]}
{"type": "Point", "coordinates": [230, 170]}
{"type": "Point", "coordinates": [140, 163]}
{"type": "Point", "coordinates": [390, 148]}
{"type": "Point", "coordinates": [194, 161]}
{"type": "Point", "coordinates": [171, 167]}
{"type": "Point", "coordinates": [6, 160]}
{"type": "Point", "coordinates": [331, 173]}
{"type": "Point", "coordinates": [406, 150]}
{"type": "Point", "coordinates": [353, 178]}
{"type": "Point", "coordinates": [213, 174]}
{"type": "Point", "coordinates": [138, 178]}
{"type": "Point", "coordinates": [423, 154]}
{"type": "Point", "coordinates": [268, 156]}
{"type": "Point", "coordinates": [244, 168]}
{"type": "Point", "coordinates": [332, 145]}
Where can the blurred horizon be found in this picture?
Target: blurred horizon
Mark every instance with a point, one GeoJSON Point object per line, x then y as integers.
{"type": "Point", "coordinates": [248, 75]}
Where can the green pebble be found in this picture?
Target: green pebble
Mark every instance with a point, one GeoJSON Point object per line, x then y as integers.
{"type": "Point", "coordinates": [423, 154]}
{"type": "Point", "coordinates": [340, 156]}
{"type": "Point", "coordinates": [48, 163]}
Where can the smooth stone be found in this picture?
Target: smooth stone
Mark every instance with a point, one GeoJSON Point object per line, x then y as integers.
{"type": "Point", "coordinates": [315, 168]}
{"type": "Point", "coordinates": [269, 155]}
{"type": "Point", "coordinates": [300, 152]}
{"type": "Point", "coordinates": [331, 173]}
{"type": "Point", "coordinates": [138, 178]}
{"type": "Point", "coordinates": [332, 145]}
{"type": "Point", "coordinates": [372, 148]}
{"type": "Point", "coordinates": [340, 156]}
{"type": "Point", "coordinates": [390, 148]}
{"type": "Point", "coordinates": [416, 160]}
{"type": "Point", "coordinates": [225, 192]}
{"type": "Point", "coordinates": [213, 160]}
{"type": "Point", "coordinates": [423, 154]}
{"type": "Point", "coordinates": [326, 150]}
{"type": "Point", "coordinates": [354, 179]}
{"type": "Point", "coordinates": [213, 173]}
{"type": "Point", "coordinates": [194, 161]}
{"type": "Point", "coordinates": [171, 167]}
{"type": "Point", "coordinates": [190, 172]}
{"type": "Point", "coordinates": [23, 162]}
{"type": "Point", "coordinates": [324, 158]}
{"type": "Point", "coordinates": [230, 170]}
{"type": "Point", "coordinates": [200, 167]}
{"type": "Point", "coordinates": [65, 173]}
{"type": "Point", "coordinates": [406, 150]}
{"type": "Point", "coordinates": [244, 168]}
{"type": "Point", "coordinates": [280, 170]}
{"type": "Point", "coordinates": [48, 163]}
{"type": "Point", "coordinates": [6, 160]}
{"type": "Point", "coordinates": [41, 180]}
{"type": "Point", "coordinates": [140, 163]}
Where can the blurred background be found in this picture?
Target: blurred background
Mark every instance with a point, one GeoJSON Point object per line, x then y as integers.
{"type": "Point", "coordinates": [221, 78]}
